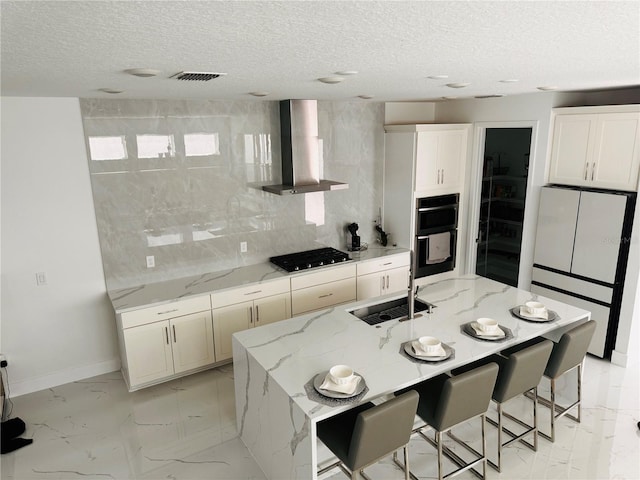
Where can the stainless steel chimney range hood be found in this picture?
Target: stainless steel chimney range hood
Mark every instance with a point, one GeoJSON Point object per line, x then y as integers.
{"type": "Point", "coordinates": [300, 151]}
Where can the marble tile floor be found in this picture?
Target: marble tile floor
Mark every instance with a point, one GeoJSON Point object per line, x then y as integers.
{"type": "Point", "coordinates": [185, 429]}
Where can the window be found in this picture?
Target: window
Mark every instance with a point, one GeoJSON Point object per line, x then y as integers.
{"type": "Point", "coordinates": [201, 144]}
{"type": "Point", "coordinates": [155, 146]}
{"type": "Point", "coordinates": [108, 148]}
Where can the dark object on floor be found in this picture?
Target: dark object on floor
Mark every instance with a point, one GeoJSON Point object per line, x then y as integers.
{"type": "Point", "coordinates": [9, 432]}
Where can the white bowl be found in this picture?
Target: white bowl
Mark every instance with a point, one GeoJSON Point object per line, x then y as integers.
{"type": "Point", "coordinates": [535, 308]}
{"type": "Point", "coordinates": [341, 374]}
{"type": "Point", "coordinates": [429, 344]}
{"type": "Point", "coordinates": [487, 325]}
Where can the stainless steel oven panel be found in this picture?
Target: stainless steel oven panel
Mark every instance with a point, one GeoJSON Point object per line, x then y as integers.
{"type": "Point", "coordinates": [422, 268]}
{"type": "Point", "coordinates": [436, 214]}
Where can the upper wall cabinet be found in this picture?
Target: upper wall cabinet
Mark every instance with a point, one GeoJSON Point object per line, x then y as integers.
{"type": "Point", "coordinates": [596, 147]}
{"type": "Point", "coordinates": [433, 156]}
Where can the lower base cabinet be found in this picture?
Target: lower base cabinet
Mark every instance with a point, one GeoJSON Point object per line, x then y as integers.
{"type": "Point", "coordinates": [161, 349]}
{"type": "Point", "coordinates": [382, 283]}
{"type": "Point", "coordinates": [242, 316]}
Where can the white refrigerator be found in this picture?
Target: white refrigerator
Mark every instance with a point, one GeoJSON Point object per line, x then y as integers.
{"type": "Point", "coordinates": [581, 251]}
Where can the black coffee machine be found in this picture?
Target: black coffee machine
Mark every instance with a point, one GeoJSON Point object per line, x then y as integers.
{"type": "Point", "coordinates": [353, 240]}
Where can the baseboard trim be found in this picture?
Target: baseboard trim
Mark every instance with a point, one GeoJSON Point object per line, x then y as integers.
{"type": "Point", "coordinates": [56, 379]}
{"type": "Point", "coordinates": [620, 359]}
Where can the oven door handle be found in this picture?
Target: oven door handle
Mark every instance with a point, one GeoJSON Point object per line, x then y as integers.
{"type": "Point", "coordinates": [453, 206]}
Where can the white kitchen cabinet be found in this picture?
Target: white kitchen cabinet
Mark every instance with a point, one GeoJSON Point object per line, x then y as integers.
{"type": "Point", "coordinates": [440, 158]}
{"type": "Point", "coordinates": [247, 307]}
{"type": "Point", "coordinates": [596, 147]}
{"type": "Point", "coordinates": [323, 289]}
{"type": "Point", "coordinates": [382, 276]}
{"type": "Point", "coordinates": [163, 348]}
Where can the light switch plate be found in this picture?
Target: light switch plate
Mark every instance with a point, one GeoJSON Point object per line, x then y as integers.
{"type": "Point", "coordinates": [151, 261]}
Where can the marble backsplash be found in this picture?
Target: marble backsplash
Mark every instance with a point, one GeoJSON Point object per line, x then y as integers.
{"type": "Point", "coordinates": [180, 181]}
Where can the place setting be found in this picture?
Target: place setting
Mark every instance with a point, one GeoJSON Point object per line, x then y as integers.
{"type": "Point", "coordinates": [427, 349]}
{"type": "Point", "coordinates": [340, 384]}
{"type": "Point", "coordinates": [487, 329]}
{"type": "Point", "coordinates": [534, 312]}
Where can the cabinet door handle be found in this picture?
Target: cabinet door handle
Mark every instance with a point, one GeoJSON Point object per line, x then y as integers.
{"type": "Point", "coordinates": [326, 295]}
{"type": "Point", "coordinates": [442, 176]}
{"type": "Point", "coordinates": [382, 283]}
{"type": "Point", "coordinates": [593, 169]}
{"type": "Point", "coordinates": [387, 282]}
{"type": "Point", "coordinates": [166, 334]}
{"type": "Point", "coordinates": [586, 170]}
{"type": "Point", "coordinates": [250, 315]}
{"type": "Point", "coordinates": [257, 314]}
{"type": "Point", "coordinates": [175, 339]}
{"type": "Point", "coordinates": [168, 311]}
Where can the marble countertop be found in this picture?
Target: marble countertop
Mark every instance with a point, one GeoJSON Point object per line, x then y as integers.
{"type": "Point", "coordinates": [126, 299]}
{"type": "Point", "coordinates": [293, 351]}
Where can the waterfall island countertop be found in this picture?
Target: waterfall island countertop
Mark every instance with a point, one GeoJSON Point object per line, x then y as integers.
{"type": "Point", "coordinates": [277, 415]}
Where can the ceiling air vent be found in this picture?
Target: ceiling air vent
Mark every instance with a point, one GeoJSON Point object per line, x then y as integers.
{"type": "Point", "coordinates": [198, 76]}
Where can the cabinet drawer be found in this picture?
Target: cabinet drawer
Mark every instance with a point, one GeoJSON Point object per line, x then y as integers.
{"type": "Point", "coordinates": [323, 296]}
{"type": "Point", "coordinates": [250, 292]}
{"type": "Point", "coordinates": [165, 311]}
{"type": "Point", "coordinates": [384, 263]}
{"type": "Point", "coordinates": [570, 284]}
{"type": "Point", "coordinates": [331, 274]}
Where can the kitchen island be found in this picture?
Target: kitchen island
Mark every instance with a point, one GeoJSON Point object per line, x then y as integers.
{"type": "Point", "coordinates": [275, 365]}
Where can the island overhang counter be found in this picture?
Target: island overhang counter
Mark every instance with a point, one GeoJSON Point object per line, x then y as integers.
{"type": "Point", "coordinates": [274, 366]}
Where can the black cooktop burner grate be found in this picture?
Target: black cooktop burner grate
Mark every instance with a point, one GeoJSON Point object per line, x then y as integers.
{"type": "Point", "coordinates": [294, 262]}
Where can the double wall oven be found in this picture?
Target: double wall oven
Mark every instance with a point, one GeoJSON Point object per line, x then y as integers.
{"type": "Point", "coordinates": [436, 234]}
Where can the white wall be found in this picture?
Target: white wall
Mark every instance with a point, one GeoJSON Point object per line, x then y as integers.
{"type": "Point", "coordinates": [65, 330]}
{"type": "Point", "coordinates": [400, 113]}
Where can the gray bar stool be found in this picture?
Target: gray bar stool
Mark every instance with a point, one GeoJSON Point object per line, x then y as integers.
{"type": "Point", "coordinates": [362, 436]}
{"type": "Point", "coordinates": [566, 355]}
{"type": "Point", "coordinates": [447, 401]}
{"type": "Point", "coordinates": [520, 373]}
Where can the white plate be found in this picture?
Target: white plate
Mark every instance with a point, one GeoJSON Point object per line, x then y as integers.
{"type": "Point", "coordinates": [468, 329]}
{"type": "Point", "coordinates": [550, 313]}
{"type": "Point", "coordinates": [319, 380]}
{"type": "Point", "coordinates": [409, 350]}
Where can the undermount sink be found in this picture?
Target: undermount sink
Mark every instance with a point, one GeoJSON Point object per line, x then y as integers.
{"type": "Point", "coordinates": [390, 310]}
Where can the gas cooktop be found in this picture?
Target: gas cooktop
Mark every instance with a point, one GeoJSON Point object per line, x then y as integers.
{"type": "Point", "coordinates": [319, 257]}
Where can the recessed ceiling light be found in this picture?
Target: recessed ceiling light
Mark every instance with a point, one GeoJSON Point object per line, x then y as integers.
{"type": "Point", "coordinates": [509, 80]}
{"type": "Point", "coordinates": [365, 97]}
{"type": "Point", "coordinates": [259, 94]}
{"type": "Point", "coordinates": [347, 72]}
{"type": "Point", "coordinates": [458, 85]}
{"type": "Point", "coordinates": [438, 77]}
{"type": "Point", "coordinates": [547, 88]}
{"type": "Point", "coordinates": [112, 91]}
{"type": "Point", "coordinates": [143, 72]}
{"type": "Point", "coordinates": [331, 79]}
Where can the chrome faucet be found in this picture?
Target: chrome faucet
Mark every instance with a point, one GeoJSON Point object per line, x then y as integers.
{"type": "Point", "coordinates": [411, 298]}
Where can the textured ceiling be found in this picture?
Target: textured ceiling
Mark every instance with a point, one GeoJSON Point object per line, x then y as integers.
{"type": "Point", "coordinates": [74, 48]}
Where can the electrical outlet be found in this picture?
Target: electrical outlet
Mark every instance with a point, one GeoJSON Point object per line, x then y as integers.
{"type": "Point", "coordinates": [243, 247]}
{"type": "Point", "coordinates": [151, 261]}
{"type": "Point", "coordinates": [41, 278]}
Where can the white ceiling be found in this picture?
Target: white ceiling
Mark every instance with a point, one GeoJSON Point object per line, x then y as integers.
{"type": "Point", "coordinates": [74, 48]}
